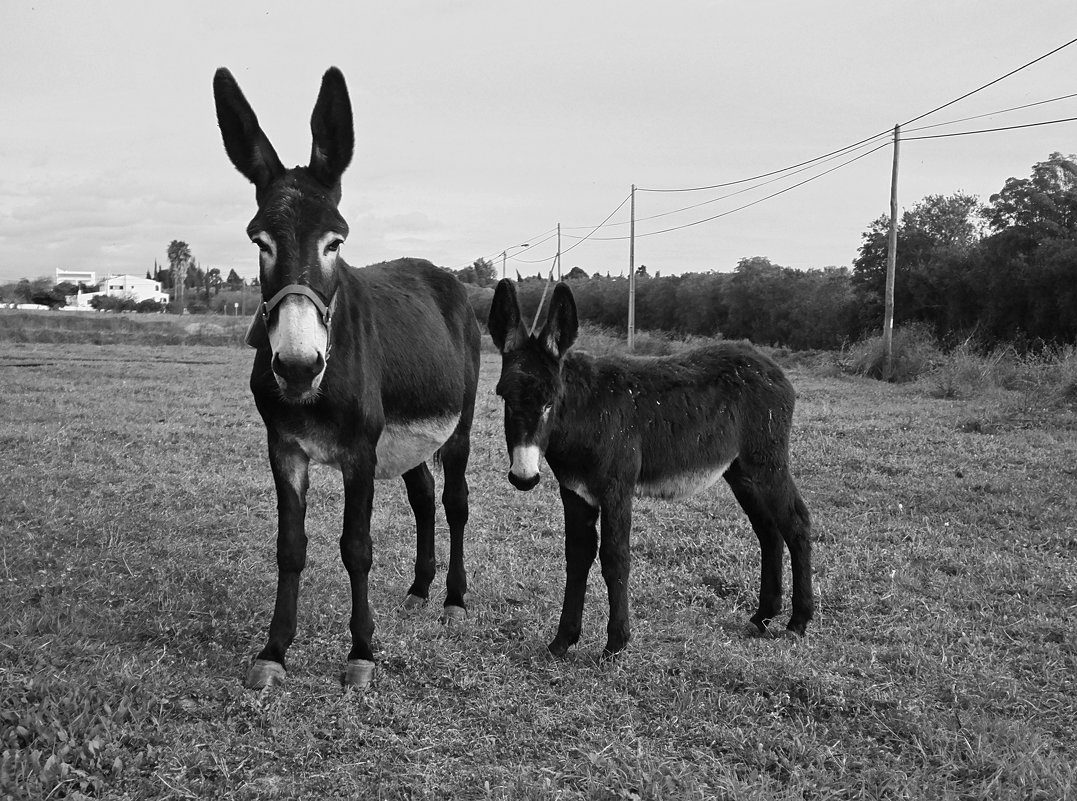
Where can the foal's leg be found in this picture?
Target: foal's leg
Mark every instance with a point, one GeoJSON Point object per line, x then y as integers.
{"type": "Point", "coordinates": [615, 557]}
{"type": "Point", "coordinates": [454, 457]}
{"type": "Point", "coordinates": [356, 551]}
{"type": "Point", "coordinates": [290, 475]}
{"type": "Point", "coordinates": [420, 486]}
{"type": "Point", "coordinates": [779, 518]}
{"type": "Point", "coordinates": [795, 523]}
{"type": "Point", "coordinates": [581, 545]}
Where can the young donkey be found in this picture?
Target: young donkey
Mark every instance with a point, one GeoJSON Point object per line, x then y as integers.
{"type": "Point", "coordinates": [666, 427]}
{"type": "Point", "coordinates": [371, 371]}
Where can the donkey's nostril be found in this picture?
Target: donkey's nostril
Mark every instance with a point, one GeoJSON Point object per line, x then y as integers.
{"type": "Point", "coordinates": [524, 484]}
{"type": "Point", "coordinates": [298, 372]}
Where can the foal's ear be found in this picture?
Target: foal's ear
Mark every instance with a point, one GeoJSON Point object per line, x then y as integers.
{"type": "Point", "coordinates": [506, 328]}
{"type": "Point", "coordinates": [247, 147]}
{"type": "Point", "coordinates": [332, 130]}
{"type": "Point", "coordinates": [562, 324]}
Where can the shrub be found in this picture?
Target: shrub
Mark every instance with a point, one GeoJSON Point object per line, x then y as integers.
{"type": "Point", "coordinates": [914, 352]}
{"type": "Point", "coordinates": [149, 306]}
{"type": "Point", "coordinates": [965, 373]}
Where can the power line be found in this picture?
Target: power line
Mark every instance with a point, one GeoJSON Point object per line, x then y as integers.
{"type": "Point", "coordinates": [725, 196]}
{"type": "Point", "coordinates": [993, 113]}
{"type": "Point", "coordinates": [803, 166]}
{"type": "Point", "coordinates": [990, 83]}
{"type": "Point", "coordinates": [600, 225]}
{"type": "Point", "coordinates": [747, 205]}
{"type": "Point", "coordinates": [838, 152]}
{"type": "Point", "coordinates": [583, 239]}
{"type": "Point", "coordinates": [831, 158]}
{"type": "Point", "coordinates": [869, 139]}
{"type": "Point", "coordinates": [988, 130]}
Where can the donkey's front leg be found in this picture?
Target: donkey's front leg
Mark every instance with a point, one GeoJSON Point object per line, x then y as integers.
{"type": "Point", "coordinates": [290, 470]}
{"type": "Point", "coordinates": [616, 561]}
{"type": "Point", "coordinates": [581, 545]}
{"type": "Point", "coordinates": [356, 551]}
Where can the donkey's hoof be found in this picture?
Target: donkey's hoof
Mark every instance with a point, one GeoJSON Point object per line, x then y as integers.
{"type": "Point", "coordinates": [413, 602]}
{"type": "Point", "coordinates": [359, 673]}
{"type": "Point", "coordinates": [760, 627]}
{"type": "Point", "coordinates": [264, 673]}
{"type": "Point", "coordinates": [453, 614]}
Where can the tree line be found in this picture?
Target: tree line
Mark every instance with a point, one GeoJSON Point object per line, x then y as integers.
{"type": "Point", "coordinates": [1001, 271]}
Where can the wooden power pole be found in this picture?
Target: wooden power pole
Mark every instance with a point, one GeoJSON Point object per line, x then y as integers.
{"type": "Point", "coordinates": [632, 272]}
{"type": "Point", "coordinates": [891, 266]}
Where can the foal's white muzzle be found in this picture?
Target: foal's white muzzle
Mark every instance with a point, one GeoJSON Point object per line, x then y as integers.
{"type": "Point", "coordinates": [524, 467]}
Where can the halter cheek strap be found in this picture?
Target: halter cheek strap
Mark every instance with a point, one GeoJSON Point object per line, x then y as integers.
{"type": "Point", "coordinates": [258, 338]}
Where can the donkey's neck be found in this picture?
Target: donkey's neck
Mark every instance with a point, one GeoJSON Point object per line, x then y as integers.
{"type": "Point", "coordinates": [579, 410]}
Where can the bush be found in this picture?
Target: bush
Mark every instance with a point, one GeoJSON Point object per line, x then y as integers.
{"type": "Point", "coordinates": [149, 306]}
{"type": "Point", "coordinates": [914, 352]}
{"type": "Point", "coordinates": [965, 372]}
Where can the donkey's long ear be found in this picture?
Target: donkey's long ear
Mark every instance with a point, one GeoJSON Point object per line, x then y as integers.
{"type": "Point", "coordinates": [247, 146]}
{"type": "Point", "coordinates": [562, 324]}
{"type": "Point", "coordinates": [506, 328]}
{"type": "Point", "coordinates": [331, 127]}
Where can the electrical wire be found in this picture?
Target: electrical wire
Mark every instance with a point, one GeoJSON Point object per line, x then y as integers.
{"type": "Point", "coordinates": [720, 197]}
{"type": "Point", "coordinates": [581, 239]}
{"type": "Point", "coordinates": [989, 114]}
{"type": "Point", "coordinates": [838, 152]}
{"type": "Point", "coordinates": [804, 166]}
{"type": "Point", "coordinates": [869, 139]}
{"type": "Point", "coordinates": [988, 130]}
{"type": "Point", "coordinates": [747, 205]}
{"type": "Point", "coordinates": [989, 83]}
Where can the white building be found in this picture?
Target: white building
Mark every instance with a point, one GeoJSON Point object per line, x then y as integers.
{"type": "Point", "coordinates": [87, 277]}
{"type": "Point", "coordinates": [121, 286]}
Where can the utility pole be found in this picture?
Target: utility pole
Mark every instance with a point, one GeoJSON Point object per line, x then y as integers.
{"type": "Point", "coordinates": [504, 256]}
{"type": "Point", "coordinates": [632, 272]}
{"type": "Point", "coordinates": [559, 251]}
{"type": "Point", "coordinates": [891, 266]}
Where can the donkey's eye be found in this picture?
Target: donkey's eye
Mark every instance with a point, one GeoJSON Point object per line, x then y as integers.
{"type": "Point", "coordinates": [333, 246]}
{"type": "Point", "coordinates": [262, 245]}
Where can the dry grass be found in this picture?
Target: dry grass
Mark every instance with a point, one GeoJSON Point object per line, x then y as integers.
{"type": "Point", "coordinates": [136, 577]}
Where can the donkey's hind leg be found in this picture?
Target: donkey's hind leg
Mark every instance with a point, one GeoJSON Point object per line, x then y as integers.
{"type": "Point", "coordinates": [454, 456]}
{"type": "Point", "coordinates": [420, 486]}
{"type": "Point", "coordinates": [780, 519]}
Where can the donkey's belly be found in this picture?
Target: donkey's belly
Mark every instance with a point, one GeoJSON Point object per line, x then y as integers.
{"type": "Point", "coordinates": [682, 484]}
{"type": "Point", "coordinates": [671, 486]}
{"type": "Point", "coordinates": [403, 446]}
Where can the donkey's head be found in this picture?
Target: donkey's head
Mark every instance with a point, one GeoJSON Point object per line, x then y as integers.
{"type": "Point", "coordinates": [298, 229]}
{"type": "Point", "coordinates": [530, 384]}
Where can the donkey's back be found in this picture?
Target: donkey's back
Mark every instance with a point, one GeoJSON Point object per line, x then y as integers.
{"type": "Point", "coordinates": [688, 416]}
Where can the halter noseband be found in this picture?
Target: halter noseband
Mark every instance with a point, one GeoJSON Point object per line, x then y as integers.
{"type": "Point", "coordinates": [325, 311]}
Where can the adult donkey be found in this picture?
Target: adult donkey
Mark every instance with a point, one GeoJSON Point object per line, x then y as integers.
{"type": "Point", "coordinates": [614, 427]}
{"type": "Point", "coordinates": [371, 371]}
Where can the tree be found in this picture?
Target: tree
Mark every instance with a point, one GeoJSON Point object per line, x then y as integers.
{"type": "Point", "coordinates": [234, 281]}
{"type": "Point", "coordinates": [179, 257]}
{"type": "Point", "coordinates": [485, 273]}
{"type": "Point", "coordinates": [1043, 206]}
{"type": "Point", "coordinates": [213, 280]}
{"type": "Point", "coordinates": [576, 274]}
{"type": "Point", "coordinates": [934, 234]}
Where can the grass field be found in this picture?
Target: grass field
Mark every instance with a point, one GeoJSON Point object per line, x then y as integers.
{"type": "Point", "coordinates": [137, 521]}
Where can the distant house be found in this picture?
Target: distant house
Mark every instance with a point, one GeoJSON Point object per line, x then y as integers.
{"type": "Point", "coordinates": [85, 277]}
{"type": "Point", "coordinates": [121, 286]}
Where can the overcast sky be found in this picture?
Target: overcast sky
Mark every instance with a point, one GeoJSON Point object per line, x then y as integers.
{"type": "Point", "coordinates": [482, 124]}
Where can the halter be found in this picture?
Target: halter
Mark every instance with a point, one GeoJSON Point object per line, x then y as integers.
{"type": "Point", "coordinates": [324, 311]}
